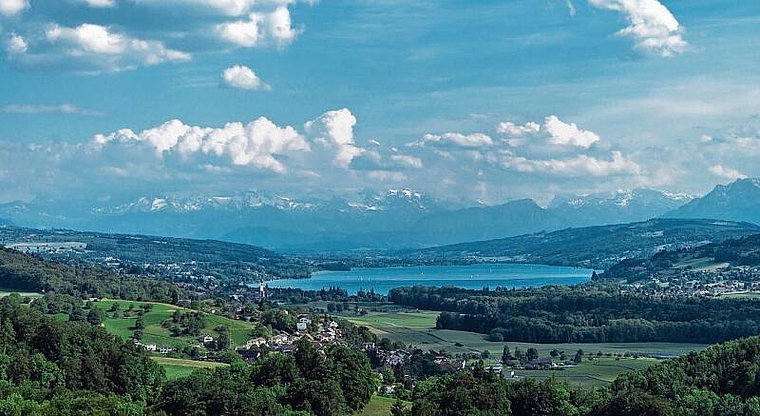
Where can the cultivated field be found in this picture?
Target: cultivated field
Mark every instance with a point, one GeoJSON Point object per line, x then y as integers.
{"type": "Point", "coordinates": [418, 329]}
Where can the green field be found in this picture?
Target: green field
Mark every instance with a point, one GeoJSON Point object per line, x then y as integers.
{"type": "Point", "coordinates": [156, 334]}
{"type": "Point", "coordinates": [418, 329]}
{"type": "Point", "coordinates": [377, 406]}
{"type": "Point", "coordinates": [176, 367]}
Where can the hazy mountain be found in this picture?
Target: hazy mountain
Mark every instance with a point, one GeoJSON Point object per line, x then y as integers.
{"type": "Point", "coordinates": [397, 218]}
{"type": "Point", "coordinates": [737, 201]}
{"type": "Point", "coordinates": [617, 207]}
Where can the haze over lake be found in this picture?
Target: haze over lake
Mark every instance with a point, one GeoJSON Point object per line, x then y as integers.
{"type": "Point", "coordinates": [474, 276]}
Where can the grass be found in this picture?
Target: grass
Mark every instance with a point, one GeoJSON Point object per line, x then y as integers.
{"type": "Point", "coordinates": [596, 373]}
{"type": "Point", "coordinates": [418, 329]}
{"type": "Point", "coordinates": [176, 367]}
{"type": "Point", "coordinates": [377, 406]}
{"type": "Point", "coordinates": [156, 334]}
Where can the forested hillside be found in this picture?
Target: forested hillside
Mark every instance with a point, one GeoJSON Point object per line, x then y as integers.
{"type": "Point", "coordinates": [597, 247]}
{"type": "Point", "coordinates": [53, 367]}
{"type": "Point", "coordinates": [27, 273]}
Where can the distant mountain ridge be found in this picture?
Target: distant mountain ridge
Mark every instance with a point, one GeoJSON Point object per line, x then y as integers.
{"type": "Point", "coordinates": [737, 201]}
{"type": "Point", "coordinates": [598, 246]}
{"type": "Point", "coordinates": [393, 219]}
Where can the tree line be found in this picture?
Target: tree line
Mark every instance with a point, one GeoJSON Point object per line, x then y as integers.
{"type": "Point", "coordinates": [585, 314]}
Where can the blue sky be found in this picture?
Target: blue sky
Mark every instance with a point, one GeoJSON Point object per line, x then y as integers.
{"type": "Point", "coordinates": [474, 101]}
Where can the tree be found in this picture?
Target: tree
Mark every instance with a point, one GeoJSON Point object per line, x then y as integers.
{"type": "Point", "coordinates": [485, 354]}
{"type": "Point", "coordinates": [578, 357]}
{"type": "Point", "coordinates": [398, 408]}
{"type": "Point", "coordinates": [519, 354]}
{"type": "Point", "coordinates": [95, 316]}
{"type": "Point", "coordinates": [139, 323]}
{"type": "Point", "coordinates": [505, 354]}
{"type": "Point", "coordinates": [531, 354]}
{"type": "Point", "coordinates": [388, 376]}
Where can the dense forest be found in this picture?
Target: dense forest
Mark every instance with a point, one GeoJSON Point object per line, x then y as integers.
{"type": "Point", "coordinates": [53, 367]}
{"type": "Point", "coordinates": [722, 380]}
{"type": "Point", "coordinates": [583, 314]}
{"type": "Point", "coordinates": [339, 383]}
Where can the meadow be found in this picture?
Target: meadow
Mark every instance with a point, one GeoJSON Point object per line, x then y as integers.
{"type": "Point", "coordinates": [177, 367]}
{"type": "Point", "coordinates": [123, 325]}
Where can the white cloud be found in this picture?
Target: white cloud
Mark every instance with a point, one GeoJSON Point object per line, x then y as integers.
{"type": "Point", "coordinates": [240, 76]}
{"type": "Point", "coordinates": [100, 4]}
{"type": "Point", "coordinates": [257, 144]}
{"type": "Point", "coordinates": [513, 129]}
{"type": "Point", "coordinates": [44, 109]}
{"type": "Point", "coordinates": [13, 7]}
{"type": "Point", "coordinates": [582, 165]}
{"type": "Point", "coordinates": [90, 48]}
{"type": "Point", "coordinates": [334, 131]}
{"type": "Point", "coordinates": [16, 45]}
{"type": "Point", "coordinates": [652, 26]}
{"type": "Point", "coordinates": [260, 29]}
{"type": "Point", "coordinates": [457, 140]}
{"type": "Point", "coordinates": [564, 134]}
{"type": "Point", "coordinates": [727, 173]}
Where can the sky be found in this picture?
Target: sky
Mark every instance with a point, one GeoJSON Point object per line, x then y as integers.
{"type": "Point", "coordinates": [477, 102]}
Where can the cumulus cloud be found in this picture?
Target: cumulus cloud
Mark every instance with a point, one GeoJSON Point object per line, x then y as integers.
{"type": "Point", "coordinates": [257, 144]}
{"type": "Point", "coordinates": [47, 109]}
{"type": "Point", "coordinates": [13, 7]}
{"type": "Point", "coordinates": [726, 173]}
{"type": "Point", "coordinates": [90, 48]}
{"type": "Point", "coordinates": [334, 131]}
{"type": "Point", "coordinates": [240, 76]}
{"type": "Point", "coordinates": [652, 26]}
{"type": "Point", "coordinates": [16, 45]}
{"type": "Point", "coordinates": [260, 29]}
{"type": "Point", "coordinates": [581, 165]}
{"type": "Point", "coordinates": [513, 129]}
{"type": "Point", "coordinates": [475, 140]}
{"type": "Point", "coordinates": [564, 134]}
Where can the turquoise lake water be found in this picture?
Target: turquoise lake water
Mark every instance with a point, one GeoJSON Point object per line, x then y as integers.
{"type": "Point", "coordinates": [474, 276]}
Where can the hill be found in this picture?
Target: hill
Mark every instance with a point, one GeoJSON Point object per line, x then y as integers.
{"type": "Point", "coordinates": [596, 247]}
{"type": "Point", "coordinates": [737, 201]}
{"type": "Point", "coordinates": [161, 256]}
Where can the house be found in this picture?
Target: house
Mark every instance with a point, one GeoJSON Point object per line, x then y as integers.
{"type": "Point", "coordinates": [301, 326]}
{"type": "Point", "coordinates": [165, 349]}
{"type": "Point", "coordinates": [150, 347]}
{"type": "Point", "coordinates": [206, 339]}
{"type": "Point", "coordinates": [256, 342]}
{"type": "Point", "coordinates": [279, 339]}
{"type": "Point", "coordinates": [333, 325]}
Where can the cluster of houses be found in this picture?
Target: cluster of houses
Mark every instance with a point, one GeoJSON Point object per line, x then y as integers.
{"type": "Point", "coordinates": [326, 333]}
{"type": "Point", "coordinates": [710, 282]}
{"type": "Point", "coordinates": [163, 349]}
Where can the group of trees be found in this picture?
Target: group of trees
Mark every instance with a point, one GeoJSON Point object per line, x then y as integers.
{"type": "Point", "coordinates": [53, 367]}
{"type": "Point", "coordinates": [722, 380]}
{"type": "Point", "coordinates": [307, 382]}
{"type": "Point", "coordinates": [583, 314]}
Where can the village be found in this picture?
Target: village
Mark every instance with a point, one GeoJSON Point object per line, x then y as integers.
{"type": "Point", "coordinates": [711, 282]}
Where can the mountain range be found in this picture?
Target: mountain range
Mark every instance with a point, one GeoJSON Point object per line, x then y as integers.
{"type": "Point", "coordinates": [394, 219]}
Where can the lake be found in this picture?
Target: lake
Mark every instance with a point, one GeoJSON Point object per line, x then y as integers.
{"type": "Point", "coordinates": [474, 276]}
